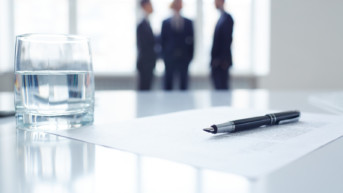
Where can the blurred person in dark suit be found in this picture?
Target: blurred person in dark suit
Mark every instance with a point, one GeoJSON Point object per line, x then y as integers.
{"type": "Point", "coordinates": [221, 58]}
{"type": "Point", "coordinates": [177, 41]}
{"type": "Point", "coordinates": [146, 43]}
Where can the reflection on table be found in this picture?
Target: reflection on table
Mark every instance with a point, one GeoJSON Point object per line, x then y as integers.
{"type": "Point", "coordinates": [38, 162]}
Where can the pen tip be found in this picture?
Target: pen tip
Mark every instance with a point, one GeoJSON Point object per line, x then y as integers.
{"type": "Point", "coordinates": [210, 130]}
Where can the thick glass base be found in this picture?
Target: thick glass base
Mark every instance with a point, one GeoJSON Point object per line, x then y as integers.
{"type": "Point", "coordinates": [35, 122]}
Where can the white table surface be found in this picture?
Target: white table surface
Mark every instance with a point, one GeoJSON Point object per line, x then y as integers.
{"type": "Point", "coordinates": [38, 162]}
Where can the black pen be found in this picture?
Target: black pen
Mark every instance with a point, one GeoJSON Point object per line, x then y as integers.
{"type": "Point", "coordinates": [255, 122]}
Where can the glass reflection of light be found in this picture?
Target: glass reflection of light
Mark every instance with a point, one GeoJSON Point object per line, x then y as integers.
{"type": "Point", "coordinates": [45, 157]}
{"type": "Point", "coordinates": [51, 163]}
{"type": "Point", "coordinates": [49, 187]}
{"type": "Point", "coordinates": [63, 171]}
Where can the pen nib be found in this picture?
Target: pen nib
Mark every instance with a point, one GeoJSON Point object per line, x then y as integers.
{"type": "Point", "coordinates": [210, 130]}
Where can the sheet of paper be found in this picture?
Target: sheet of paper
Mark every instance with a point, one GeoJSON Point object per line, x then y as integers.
{"type": "Point", "coordinates": [179, 137]}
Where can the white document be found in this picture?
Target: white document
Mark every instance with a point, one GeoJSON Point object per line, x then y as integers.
{"type": "Point", "coordinates": [179, 137]}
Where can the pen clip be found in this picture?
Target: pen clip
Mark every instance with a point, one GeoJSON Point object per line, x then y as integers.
{"type": "Point", "coordinates": [288, 121]}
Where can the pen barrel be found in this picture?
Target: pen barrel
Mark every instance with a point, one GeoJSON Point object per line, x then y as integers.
{"type": "Point", "coordinates": [255, 122]}
{"type": "Point", "coordinates": [277, 117]}
{"type": "Point", "coordinates": [251, 123]}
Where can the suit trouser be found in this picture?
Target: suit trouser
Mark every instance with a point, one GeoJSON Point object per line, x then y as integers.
{"type": "Point", "coordinates": [220, 78]}
{"type": "Point", "coordinates": [173, 71]}
{"type": "Point", "coordinates": [145, 78]}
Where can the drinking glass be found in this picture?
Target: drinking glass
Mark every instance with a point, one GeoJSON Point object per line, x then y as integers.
{"type": "Point", "coordinates": [54, 82]}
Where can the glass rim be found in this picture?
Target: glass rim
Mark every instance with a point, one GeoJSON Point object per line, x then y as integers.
{"type": "Point", "coordinates": [52, 38]}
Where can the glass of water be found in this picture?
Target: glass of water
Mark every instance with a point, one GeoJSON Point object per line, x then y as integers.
{"type": "Point", "coordinates": [54, 82]}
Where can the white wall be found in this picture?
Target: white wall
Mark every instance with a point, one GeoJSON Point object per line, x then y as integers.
{"type": "Point", "coordinates": [306, 45]}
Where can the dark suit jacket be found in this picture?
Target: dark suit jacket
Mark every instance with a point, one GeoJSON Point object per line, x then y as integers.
{"type": "Point", "coordinates": [222, 39]}
{"type": "Point", "coordinates": [146, 47]}
{"type": "Point", "coordinates": [177, 46]}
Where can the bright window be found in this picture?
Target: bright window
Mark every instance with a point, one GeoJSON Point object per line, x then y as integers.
{"type": "Point", "coordinates": [40, 16]}
{"type": "Point", "coordinates": [112, 28]}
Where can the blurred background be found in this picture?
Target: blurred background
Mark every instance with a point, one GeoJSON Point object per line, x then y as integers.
{"type": "Point", "coordinates": [277, 44]}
